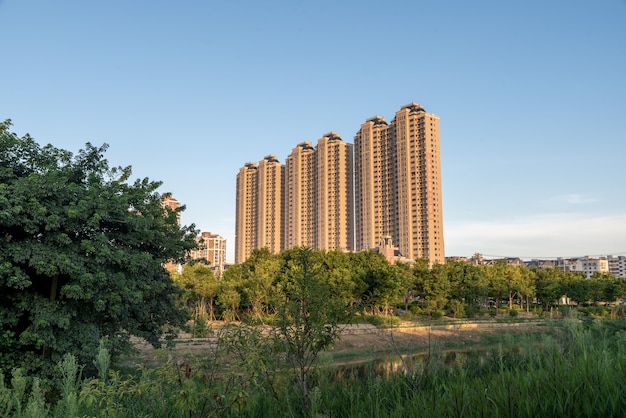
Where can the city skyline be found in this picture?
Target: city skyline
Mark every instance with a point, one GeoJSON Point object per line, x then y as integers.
{"type": "Point", "coordinates": [530, 95]}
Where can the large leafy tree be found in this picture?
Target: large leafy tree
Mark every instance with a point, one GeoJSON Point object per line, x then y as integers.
{"type": "Point", "coordinates": [82, 254]}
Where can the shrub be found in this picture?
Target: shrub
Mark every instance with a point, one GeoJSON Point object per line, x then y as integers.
{"type": "Point", "coordinates": [415, 308]}
{"type": "Point", "coordinates": [456, 308]}
{"type": "Point", "coordinates": [436, 314]}
{"type": "Point", "coordinates": [472, 311]}
{"type": "Point", "coordinates": [406, 316]}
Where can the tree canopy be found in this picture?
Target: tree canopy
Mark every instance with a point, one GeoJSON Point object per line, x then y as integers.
{"type": "Point", "coordinates": [82, 254]}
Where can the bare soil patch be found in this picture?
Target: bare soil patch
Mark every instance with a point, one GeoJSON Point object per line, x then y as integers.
{"type": "Point", "coordinates": [361, 342]}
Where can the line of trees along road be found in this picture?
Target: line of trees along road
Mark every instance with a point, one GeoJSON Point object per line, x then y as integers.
{"type": "Point", "coordinates": [250, 289]}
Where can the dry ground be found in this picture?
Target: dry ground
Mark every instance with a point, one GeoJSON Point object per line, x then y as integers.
{"type": "Point", "coordinates": [360, 340]}
{"type": "Point", "coordinates": [363, 341]}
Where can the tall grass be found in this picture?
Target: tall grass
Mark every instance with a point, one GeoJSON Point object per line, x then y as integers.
{"type": "Point", "coordinates": [577, 370]}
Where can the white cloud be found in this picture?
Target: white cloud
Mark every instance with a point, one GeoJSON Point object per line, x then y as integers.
{"type": "Point", "coordinates": [575, 199]}
{"type": "Point", "coordinates": [542, 236]}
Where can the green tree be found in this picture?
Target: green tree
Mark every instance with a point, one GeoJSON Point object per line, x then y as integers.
{"type": "Point", "coordinates": [498, 282]}
{"type": "Point", "coordinates": [436, 287]}
{"type": "Point", "coordinates": [260, 271]}
{"type": "Point", "coordinates": [549, 285]}
{"type": "Point", "coordinates": [82, 254]}
{"type": "Point", "coordinates": [577, 287]}
{"type": "Point", "coordinates": [309, 313]}
{"type": "Point", "coordinates": [381, 281]}
{"type": "Point", "coordinates": [201, 288]}
{"type": "Point", "coordinates": [467, 282]}
{"type": "Point", "coordinates": [340, 274]}
{"type": "Point", "coordinates": [229, 298]}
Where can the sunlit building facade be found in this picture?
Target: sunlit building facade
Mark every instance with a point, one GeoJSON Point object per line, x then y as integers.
{"type": "Point", "coordinates": [351, 197]}
{"type": "Point", "coordinates": [299, 220]}
{"type": "Point", "coordinates": [259, 210]}
{"type": "Point", "coordinates": [246, 213]}
{"type": "Point", "coordinates": [398, 184]}
{"type": "Point", "coordinates": [335, 194]}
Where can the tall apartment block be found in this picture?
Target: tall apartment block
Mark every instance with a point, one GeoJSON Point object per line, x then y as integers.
{"type": "Point", "coordinates": [398, 184]}
{"type": "Point", "coordinates": [315, 208]}
{"type": "Point", "coordinates": [299, 220]}
{"type": "Point", "coordinates": [245, 218]}
{"type": "Point", "coordinates": [269, 204]}
{"type": "Point", "coordinates": [335, 193]}
{"type": "Point", "coordinates": [384, 189]}
{"type": "Point", "coordinates": [258, 220]}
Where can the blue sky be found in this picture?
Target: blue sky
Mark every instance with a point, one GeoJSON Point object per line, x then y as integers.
{"type": "Point", "coordinates": [531, 96]}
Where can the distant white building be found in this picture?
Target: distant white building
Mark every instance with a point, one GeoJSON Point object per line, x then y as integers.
{"type": "Point", "coordinates": [617, 265]}
{"type": "Point", "coordinates": [212, 249]}
{"type": "Point", "coordinates": [586, 265]}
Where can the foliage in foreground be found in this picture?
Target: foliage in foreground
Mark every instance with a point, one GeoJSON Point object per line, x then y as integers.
{"type": "Point", "coordinates": [82, 255]}
{"type": "Point", "coordinates": [576, 371]}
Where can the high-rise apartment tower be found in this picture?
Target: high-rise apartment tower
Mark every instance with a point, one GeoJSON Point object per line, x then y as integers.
{"type": "Point", "coordinates": [335, 193]}
{"type": "Point", "coordinates": [386, 188]}
{"type": "Point", "coordinates": [300, 194]}
{"type": "Point", "coordinates": [398, 184]}
{"type": "Point", "coordinates": [246, 213]}
{"type": "Point", "coordinates": [307, 202]}
{"type": "Point", "coordinates": [259, 211]}
{"type": "Point", "coordinates": [269, 204]}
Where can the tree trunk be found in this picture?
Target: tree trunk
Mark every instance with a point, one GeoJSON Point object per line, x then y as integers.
{"type": "Point", "coordinates": [53, 288]}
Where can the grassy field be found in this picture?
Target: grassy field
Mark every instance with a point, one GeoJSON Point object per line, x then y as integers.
{"type": "Point", "coordinates": [525, 368]}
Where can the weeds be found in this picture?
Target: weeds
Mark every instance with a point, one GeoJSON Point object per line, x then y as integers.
{"type": "Point", "coordinates": [576, 371]}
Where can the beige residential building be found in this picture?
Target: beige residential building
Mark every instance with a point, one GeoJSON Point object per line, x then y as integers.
{"type": "Point", "coordinates": [398, 184]}
{"type": "Point", "coordinates": [246, 214]}
{"type": "Point", "coordinates": [258, 219]}
{"type": "Point", "coordinates": [212, 249]}
{"type": "Point", "coordinates": [335, 194]}
{"type": "Point", "coordinates": [307, 202]}
{"type": "Point", "coordinates": [299, 221]}
{"type": "Point", "coordinates": [375, 184]}
{"type": "Point", "coordinates": [269, 204]}
{"type": "Point", "coordinates": [387, 186]}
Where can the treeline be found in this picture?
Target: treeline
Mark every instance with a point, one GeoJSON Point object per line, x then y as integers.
{"type": "Point", "coordinates": [250, 290]}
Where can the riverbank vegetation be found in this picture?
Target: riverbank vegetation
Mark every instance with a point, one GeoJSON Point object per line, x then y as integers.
{"type": "Point", "coordinates": [575, 369]}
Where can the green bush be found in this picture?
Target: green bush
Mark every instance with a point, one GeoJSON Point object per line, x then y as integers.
{"type": "Point", "coordinates": [472, 311]}
{"type": "Point", "coordinates": [436, 314]}
{"type": "Point", "coordinates": [513, 313]}
{"type": "Point", "coordinates": [200, 327]}
{"type": "Point", "coordinates": [456, 308]}
{"type": "Point", "coordinates": [406, 316]}
{"type": "Point", "coordinates": [415, 308]}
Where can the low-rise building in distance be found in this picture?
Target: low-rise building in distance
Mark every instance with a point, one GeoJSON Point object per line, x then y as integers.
{"type": "Point", "coordinates": [211, 250]}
